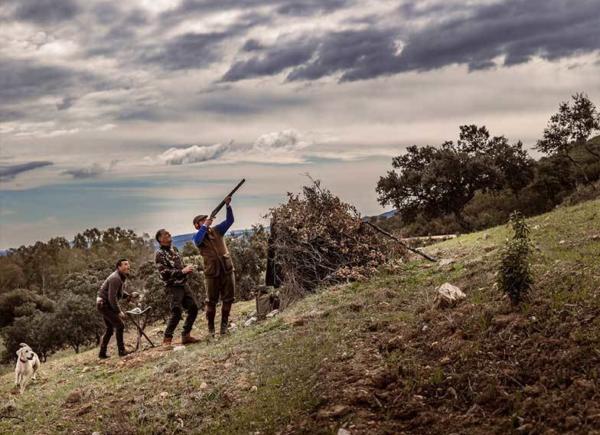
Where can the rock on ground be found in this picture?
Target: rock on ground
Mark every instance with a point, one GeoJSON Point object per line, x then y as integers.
{"type": "Point", "coordinates": [448, 295]}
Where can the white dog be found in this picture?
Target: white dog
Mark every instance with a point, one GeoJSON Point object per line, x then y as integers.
{"type": "Point", "coordinates": [27, 365]}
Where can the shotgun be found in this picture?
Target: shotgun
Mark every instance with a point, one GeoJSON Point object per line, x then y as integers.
{"type": "Point", "coordinates": [220, 206]}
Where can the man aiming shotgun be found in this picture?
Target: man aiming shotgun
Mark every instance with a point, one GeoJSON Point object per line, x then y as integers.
{"type": "Point", "coordinates": [218, 267]}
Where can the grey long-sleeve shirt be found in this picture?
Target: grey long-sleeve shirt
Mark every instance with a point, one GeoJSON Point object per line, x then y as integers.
{"type": "Point", "coordinates": [112, 290]}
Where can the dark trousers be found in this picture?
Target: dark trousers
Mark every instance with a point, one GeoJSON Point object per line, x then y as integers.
{"type": "Point", "coordinates": [181, 298]}
{"type": "Point", "coordinates": [114, 324]}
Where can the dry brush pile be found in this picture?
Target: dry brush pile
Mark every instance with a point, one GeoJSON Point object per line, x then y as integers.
{"type": "Point", "coordinates": [320, 240]}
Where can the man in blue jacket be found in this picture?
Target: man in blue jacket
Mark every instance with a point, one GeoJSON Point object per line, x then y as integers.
{"type": "Point", "coordinates": [218, 267]}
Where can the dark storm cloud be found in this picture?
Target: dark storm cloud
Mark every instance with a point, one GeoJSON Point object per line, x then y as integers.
{"type": "Point", "coordinates": [194, 50]}
{"type": "Point", "coordinates": [106, 13]}
{"type": "Point", "coordinates": [516, 30]}
{"type": "Point", "coordinates": [110, 14]}
{"type": "Point", "coordinates": [119, 32]}
{"type": "Point", "coordinates": [252, 45]}
{"type": "Point", "coordinates": [274, 61]}
{"type": "Point", "coordinates": [358, 54]}
{"type": "Point", "coordinates": [284, 7]}
{"type": "Point", "coordinates": [187, 51]}
{"type": "Point", "coordinates": [413, 9]}
{"type": "Point", "coordinates": [8, 172]}
{"type": "Point", "coordinates": [355, 53]}
{"type": "Point", "coordinates": [187, 7]}
{"type": "Point", "coordinates": [23, 80]}
{"type": "Point", "coordinates": [311, 7]}
{"type": "Point", "coordinates": [44, 12]}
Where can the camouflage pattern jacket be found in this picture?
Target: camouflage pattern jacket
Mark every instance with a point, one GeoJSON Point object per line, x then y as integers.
{"type": "Point", "coordinates": [169, 264]}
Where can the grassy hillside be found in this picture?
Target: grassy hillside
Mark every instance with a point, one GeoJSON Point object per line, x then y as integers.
{"type": "Point", "coordinates": [372, 357]}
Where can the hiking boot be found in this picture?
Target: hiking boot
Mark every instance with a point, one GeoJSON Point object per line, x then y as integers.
{"type": "Point", "coordinates": [103, 355]}
{"type": "Point", "coordinates": [224, 330]}
{"type": "Point", "coordinates": [167, 341]}
{"type": "Point", "coordinates": [188, 339]}
{"type": "Point", "coordinates": [124, 353]}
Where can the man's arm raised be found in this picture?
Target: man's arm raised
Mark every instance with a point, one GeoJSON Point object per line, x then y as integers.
{"type": "Point", "coordinates": [226, 224]}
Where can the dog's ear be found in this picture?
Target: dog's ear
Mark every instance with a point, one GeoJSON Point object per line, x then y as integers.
{"type": "Point", "coordinates": [23, 345]}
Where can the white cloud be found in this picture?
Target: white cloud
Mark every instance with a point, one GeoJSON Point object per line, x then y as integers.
{"type": "Point", "coordinates": [192, 154]}
{"type": "Point", "coordinates": [277, 147]}
{"type": "Point", "coordinates": [286, 140]}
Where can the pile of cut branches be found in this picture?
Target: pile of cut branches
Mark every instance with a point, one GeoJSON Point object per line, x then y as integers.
{"type": "Point", "coordinates": [319, 240]}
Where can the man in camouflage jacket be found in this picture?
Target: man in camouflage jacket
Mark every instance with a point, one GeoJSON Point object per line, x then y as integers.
{"type": "Point", "coordinates": [174, 275]}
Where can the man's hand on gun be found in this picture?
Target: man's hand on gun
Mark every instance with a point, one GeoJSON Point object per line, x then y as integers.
{"type": "Point", "coordinates": [228, 200]}
{"type": "Point", "coordinates": [188, 269]}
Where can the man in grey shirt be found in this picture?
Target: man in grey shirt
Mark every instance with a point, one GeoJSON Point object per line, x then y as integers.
{"type": "Point", "coordinates": [108, 305]}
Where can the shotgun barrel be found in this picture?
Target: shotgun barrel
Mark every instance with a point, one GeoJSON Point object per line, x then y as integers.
{"type": "Point", "coordinates": [222, 203]}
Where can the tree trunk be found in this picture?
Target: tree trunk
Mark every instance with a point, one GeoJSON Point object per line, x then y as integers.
{"type": "Point", "coordinates": [461, 221]}
{"type": "Point", "coordinates": [576, 163]}
{"type": "Point", "coordinates": [592, 152]}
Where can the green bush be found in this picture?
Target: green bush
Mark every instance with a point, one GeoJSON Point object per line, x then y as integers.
{"type": "Point", "coordinates": [21, 302]}
{"type": "Point", "coordinates": [514, 277]}
{"type": "Point", "coordinates": [77, 322]}
{"type": "Point", "coordinates": [38, 330]}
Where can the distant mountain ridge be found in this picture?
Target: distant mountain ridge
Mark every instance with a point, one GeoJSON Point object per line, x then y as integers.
{"type": "Point", "coordinates": [388, 214]}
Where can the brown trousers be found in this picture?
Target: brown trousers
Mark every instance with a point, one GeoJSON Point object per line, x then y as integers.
{"type": "Point", "coordinates": [222, 286]}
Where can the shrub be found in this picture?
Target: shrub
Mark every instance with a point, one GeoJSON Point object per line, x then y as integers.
{"type": "Point", "coordinates": [583, 193]}
{"type": "Point", "coordinates": [21, 302]}
{"type": "Point", "coordinates": [514, 277]}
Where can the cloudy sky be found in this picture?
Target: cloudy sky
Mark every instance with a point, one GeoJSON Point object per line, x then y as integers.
{"type": "Point", "coordinates": [142, 113]}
